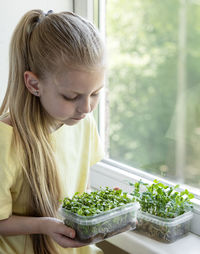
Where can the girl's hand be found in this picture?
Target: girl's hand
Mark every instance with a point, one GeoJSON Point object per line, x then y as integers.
{"type": "Point", "coordinates": [59, 232]}
{"type": "Point", "coordinates": [116, 188]}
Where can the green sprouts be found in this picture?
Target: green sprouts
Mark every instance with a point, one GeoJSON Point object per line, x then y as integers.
{"type": "Point", "coordinates": [162, 200]}
{"type": "Point", "coordinates": [88, 204]}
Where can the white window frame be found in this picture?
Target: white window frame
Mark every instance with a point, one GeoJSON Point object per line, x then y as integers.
{"type": "Point", "coordinates": [109, 172]}
{"type": "Point", "coordinates": [84, 8]}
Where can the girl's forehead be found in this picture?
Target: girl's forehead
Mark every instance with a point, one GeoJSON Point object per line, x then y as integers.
{"type": "Point", "coordinates": [80, 79]}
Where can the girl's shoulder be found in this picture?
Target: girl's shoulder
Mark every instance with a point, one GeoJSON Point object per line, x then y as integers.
{"type": "Point", "coordinates": [5, 125]}
{"type": "Point", "coordinates": [6, 121]}
{"type": "Point", "coordinates": [6, 131]}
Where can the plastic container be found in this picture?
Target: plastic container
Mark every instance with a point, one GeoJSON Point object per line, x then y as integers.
{"type": "Point", "coordinates": [163, 229]}
{"type": "Point", "coordinates": [93, 229]}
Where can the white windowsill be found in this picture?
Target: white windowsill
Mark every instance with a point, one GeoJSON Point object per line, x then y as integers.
{"type": "Point", "coordinates": [135, 243]}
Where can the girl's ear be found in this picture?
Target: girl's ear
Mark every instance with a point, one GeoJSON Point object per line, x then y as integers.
{"type": "Point", "coordinates": [32, 83]}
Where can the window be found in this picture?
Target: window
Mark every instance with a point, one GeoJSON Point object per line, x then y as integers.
{"type": "Point", "coordinates": [153, 120]}
{"type": "Point", "coordinates": [148, 116]}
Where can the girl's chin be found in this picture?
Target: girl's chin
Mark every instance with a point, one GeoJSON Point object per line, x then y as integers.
{"type": "Point", "coordinates": [71, 121]}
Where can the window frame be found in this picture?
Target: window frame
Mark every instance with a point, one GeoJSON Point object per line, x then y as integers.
{"type": "Point", "coordinates": [109, 172]}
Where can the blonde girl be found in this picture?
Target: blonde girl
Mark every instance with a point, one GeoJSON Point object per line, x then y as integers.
{"type": "Point", "coordinates": [48, 138]}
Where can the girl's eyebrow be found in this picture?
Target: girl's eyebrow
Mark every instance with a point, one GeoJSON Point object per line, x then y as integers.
{"type": "Point", "coordinates": [76, 93]}
{"type": "Point", "coordinates": [99, 88]}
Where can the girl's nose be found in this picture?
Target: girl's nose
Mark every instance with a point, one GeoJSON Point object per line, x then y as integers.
{"type": "Point", "coordinates": [84, 106]}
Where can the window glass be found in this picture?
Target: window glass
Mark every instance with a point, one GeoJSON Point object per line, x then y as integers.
{"type": "Point", "coordinates": [153, 102]}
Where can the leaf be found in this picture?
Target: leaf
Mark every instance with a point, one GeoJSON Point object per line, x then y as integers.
{"type": "Point", "coordinates": [191, 196]}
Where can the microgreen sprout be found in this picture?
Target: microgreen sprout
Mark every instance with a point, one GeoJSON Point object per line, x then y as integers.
{"type": "Point", "coordinates": [89, 204]}
{"type": "Point", "coordinates": [162, 200]}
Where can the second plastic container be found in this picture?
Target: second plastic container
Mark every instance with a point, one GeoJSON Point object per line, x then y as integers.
{"type": "Point", "coordinates": [163, 229]}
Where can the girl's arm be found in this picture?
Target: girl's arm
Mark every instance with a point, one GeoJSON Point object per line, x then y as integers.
{"type": "Point", "coordinates": [21, 225]}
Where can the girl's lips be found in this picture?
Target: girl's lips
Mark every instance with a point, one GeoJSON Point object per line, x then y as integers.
{"type": "Point", "coordinates": [78, 118]}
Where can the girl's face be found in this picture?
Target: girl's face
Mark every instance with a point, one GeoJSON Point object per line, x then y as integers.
{"type": "Point", "coordinates": [69, 97]}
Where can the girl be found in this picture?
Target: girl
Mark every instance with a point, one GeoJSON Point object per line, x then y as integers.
{"type": "Point", "coordinates": [48, 138]}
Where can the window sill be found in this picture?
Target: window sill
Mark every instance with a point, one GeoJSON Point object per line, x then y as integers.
{"type": "Point", "coordinates": [133, 242]}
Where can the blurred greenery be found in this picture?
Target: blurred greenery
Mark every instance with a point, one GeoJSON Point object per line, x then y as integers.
{"type": "Point", "coordinates": [143, 53]}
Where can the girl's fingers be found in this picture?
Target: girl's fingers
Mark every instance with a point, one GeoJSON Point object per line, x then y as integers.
{"type": "Point", "coordinates": [116, 188]}
{"type": "Point", "coordinates": [66, 242]}
{"type": "Point", "coordinates": [67, 231]}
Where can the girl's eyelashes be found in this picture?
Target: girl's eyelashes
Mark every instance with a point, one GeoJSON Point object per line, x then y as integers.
{"type": "Point", "coordinates": [70, 99]}
{"type": "Point", "coordinates": [95, 94]}
{"type": "Point", "coordinates": [76, 97]}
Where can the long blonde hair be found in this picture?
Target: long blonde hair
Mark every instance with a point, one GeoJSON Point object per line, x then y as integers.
{"type": "Point", "coordinates": [41, 44]}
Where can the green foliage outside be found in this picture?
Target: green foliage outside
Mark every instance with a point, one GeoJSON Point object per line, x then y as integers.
{"type": "Point", "coordinates": [143, 54]}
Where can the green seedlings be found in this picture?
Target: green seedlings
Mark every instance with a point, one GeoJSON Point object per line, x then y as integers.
{"type": "Point", "coordinates": [162, 200]}
{"type": "Point", "coordinates": [164, 212]}
{"type": "Point", "coordinates": [88, 204]}
{"type": "Point", "coordinates": [100, 214]}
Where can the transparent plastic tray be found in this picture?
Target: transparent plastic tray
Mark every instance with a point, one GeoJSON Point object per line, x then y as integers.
{"type": "Point", "coordinates": [163, 229]}
{"type": "Point", "coordinates": [93, 229]}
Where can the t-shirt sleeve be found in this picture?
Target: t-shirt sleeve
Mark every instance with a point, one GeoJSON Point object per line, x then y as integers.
{"type": "Point", "coordinates": [5, 191]}
{"type": "Point", "coordinates": [97, 146]}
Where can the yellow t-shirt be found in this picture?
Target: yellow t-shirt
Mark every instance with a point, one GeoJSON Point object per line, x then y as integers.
{"type": "Point", "coordinates": [77, 148]}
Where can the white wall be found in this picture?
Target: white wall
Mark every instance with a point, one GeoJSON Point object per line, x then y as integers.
{"type": "Point", "coordinates": [10, 13]}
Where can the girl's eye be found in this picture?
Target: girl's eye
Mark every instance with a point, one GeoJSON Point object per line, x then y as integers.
{"type": "Point", "coordinates": [95, 94]}
{"type": "Point", "coordinates": [70, 99]}
{"type": "Point", "coordinates": [76, 97]}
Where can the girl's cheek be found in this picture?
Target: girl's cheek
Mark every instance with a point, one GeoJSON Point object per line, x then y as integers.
{"type": "Point", "coordinates": [69, 108]}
